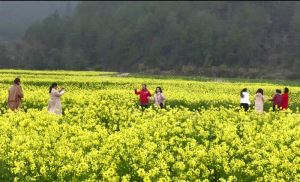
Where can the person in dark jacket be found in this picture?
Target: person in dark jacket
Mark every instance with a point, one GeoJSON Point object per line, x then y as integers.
{"type": "Point", "coordinates": [276, 100]}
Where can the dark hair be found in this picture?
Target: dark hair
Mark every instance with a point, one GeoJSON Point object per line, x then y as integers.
{"type": "Point", "coordinates": [278, 91]}
{"type": "Point", "coordinates": [145, 86]}
{"type": "Point", "coordinates": [17, 81]}
{"type": "Point", "coordinates": [52, 86]}
{"type": "Point", "coordinates": [244, 90]}
{"type": "Point", "coordinates": [286, 90]}
{"type": "Point", "coordinates": [260, 91]}
{"type": "Point", "coordinates": [159, 90]}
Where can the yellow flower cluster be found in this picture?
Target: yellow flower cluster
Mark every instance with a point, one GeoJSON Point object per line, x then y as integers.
{"type": "Point", "coordinates": [103, 135]}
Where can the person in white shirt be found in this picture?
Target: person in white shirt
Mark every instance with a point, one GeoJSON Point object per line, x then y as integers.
{"type": "Point", "coordinates": [54, 105]}
{"type": "Point", "coordinates": [245, 99]}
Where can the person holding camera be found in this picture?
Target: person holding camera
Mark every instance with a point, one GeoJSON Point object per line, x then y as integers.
{"type": "Point", "coordinates": [54, 105]}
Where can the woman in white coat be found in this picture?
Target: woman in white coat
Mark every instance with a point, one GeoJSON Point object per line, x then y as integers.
{"type": "Point", "coordinates": [54, 105]}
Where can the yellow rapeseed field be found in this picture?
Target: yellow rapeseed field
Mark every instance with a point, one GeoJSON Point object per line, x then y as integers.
{"type": "Point", "coordinates": [103, 135]}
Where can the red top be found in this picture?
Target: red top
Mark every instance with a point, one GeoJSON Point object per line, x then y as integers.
{"type": "Point", "coordinates": [144, 94]}
{"type": "Point", "coordinates": [285, 100]}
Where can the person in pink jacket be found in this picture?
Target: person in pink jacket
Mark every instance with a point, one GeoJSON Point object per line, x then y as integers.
{"type": "Point", "coordinates": [159, 98]}
{"type": "Point", "coordinates": [259, 100]}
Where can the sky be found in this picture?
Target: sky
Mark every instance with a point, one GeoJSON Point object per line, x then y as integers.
{"type": "Point", "coordinates": [17, 16]}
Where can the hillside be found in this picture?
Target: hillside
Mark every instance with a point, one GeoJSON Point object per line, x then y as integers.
{"type": "Point", "coordinates": [232, 39]}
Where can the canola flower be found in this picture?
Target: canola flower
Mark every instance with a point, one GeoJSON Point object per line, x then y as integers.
{"type": "Point", "coordinates": [104, 136]}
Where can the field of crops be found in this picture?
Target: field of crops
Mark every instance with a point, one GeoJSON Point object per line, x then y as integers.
{"type": "Point", "coordinates": [103, 135]}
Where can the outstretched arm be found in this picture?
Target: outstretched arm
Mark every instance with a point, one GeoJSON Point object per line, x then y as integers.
{"type": "Point", "coordinates": [20, 92]}
{"type": "Point", "coordinates": [58, 94]}
{"type": "Point", "coordinates": [163, 96]}
{"type": "Point", "coordinates": [272, 99]}
{"type": "Point", "coordinates": [62, 92]}
{"type": "Point", "coordinates": [137, 92]}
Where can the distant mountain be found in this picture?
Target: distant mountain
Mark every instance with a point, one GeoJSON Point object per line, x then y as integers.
{"type": "Point", "coordinates": [16, 16]}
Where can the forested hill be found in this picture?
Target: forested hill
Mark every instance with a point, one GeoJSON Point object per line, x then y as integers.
{"type": "Point", "coordinates": [248, 39]}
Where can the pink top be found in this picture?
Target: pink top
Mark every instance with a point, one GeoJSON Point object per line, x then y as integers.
{"type": "Point", "coordinates": [159, 98]}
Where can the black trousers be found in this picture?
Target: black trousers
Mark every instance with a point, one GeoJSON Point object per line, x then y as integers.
{"type": "Point", "coordinates": [245, 106]}
{"type": "Point", "coordinates": [144, 106]}
{"type": "Point", "coordinates": [161, 105]}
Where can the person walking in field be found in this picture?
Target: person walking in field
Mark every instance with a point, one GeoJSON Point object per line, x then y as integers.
{"type": "Point", "coordinates": [54, 105]}
{"type": "Point", "coordinates": [276, 100]}
{"type": "Point", "coordinates": [285, 99]}
{"type": "Point", "coordinates": [15, 95]}
{"type": "Point", "coordinates": [144, 96]}
{"type": "Point", "coordinates": [159, 98]}
{"type": "Point", "coordinates": [259, 100]}
{"type": "Point", "coordinates": [245, 99]}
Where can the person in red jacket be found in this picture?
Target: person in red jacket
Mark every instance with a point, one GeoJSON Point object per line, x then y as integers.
{"type": "Point", "coordinates": [144, 96]}
{"type": "Point", "coordinates": [285, 99]}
